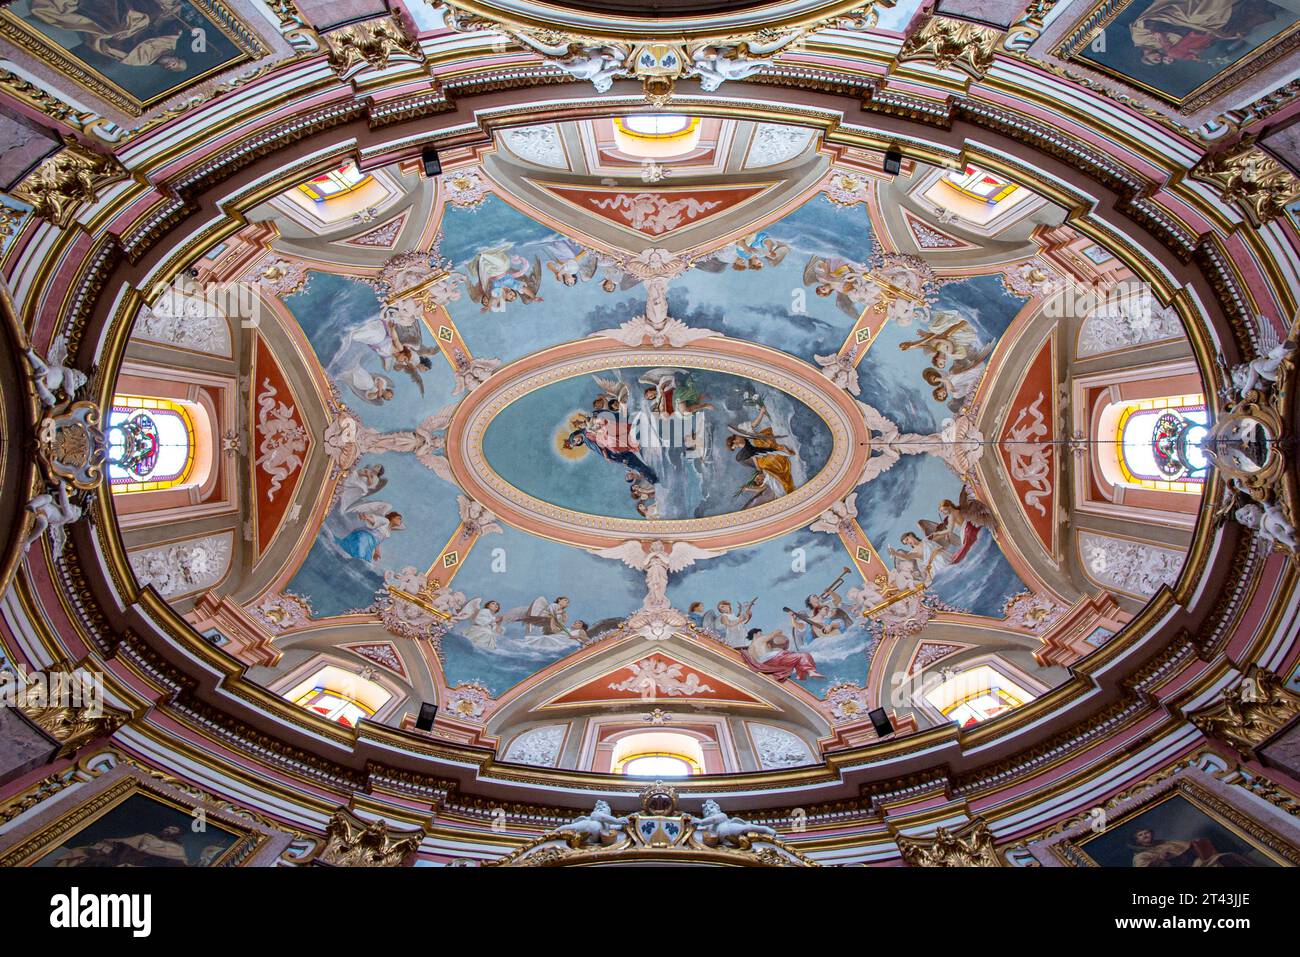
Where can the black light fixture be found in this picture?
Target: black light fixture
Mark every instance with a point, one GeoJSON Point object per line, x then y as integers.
{"type": "Point", "coordinates": [880, 721]}
{"type": "Point", "coordinates": [427, 714]}
{"type": "Point", "coordinates": [432, 165]}
{"type": "Point", "coordinates": [893, 162]}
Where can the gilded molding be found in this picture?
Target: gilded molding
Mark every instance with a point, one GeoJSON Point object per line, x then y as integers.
{"type": "Point", "coordinates": [351, 841]}
{"type": "Point", "coordinates": [1252, 179]}
{"type": "Point", "coordinates": [370, 43]}
{"type": "Point", "coordinates": [953, 43]}
{"type": "Point", "coordinates": [70, 178]}
{"type": "Point", "coordinates": [1249, 713]}
{"type": "Point", "coordinates": [969, 846]}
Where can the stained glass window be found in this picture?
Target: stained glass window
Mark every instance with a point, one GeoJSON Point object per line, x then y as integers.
{"type": "Point", "coordinates": [337, 182]}
{"type": "Point", "coordinates": [334, 707]}
{"type": "Point", "coordinates": [976, 695]}
{"type": "Point", "coordinates": [150, 444]}
{"type": "Point", "coordinates": [1160, 443]}
{"type": "Point", "coordinates": [339, 696]}
{"type": "Point", "coordinates": [980, 184]}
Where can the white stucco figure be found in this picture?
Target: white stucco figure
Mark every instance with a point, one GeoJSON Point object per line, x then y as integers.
{"type": "Point", "coordinates": [716, 823]}
{"type": "Point", "coordinates": [600, 825]}
{"type": "Point", "coordinates": [49, 375]}
{"type": "Point", "coordinates": [1262, 371]}
{"type": "Point", "coordinates": [51, 511]}
{"type": "Point", "coordinates": [1268, 522]}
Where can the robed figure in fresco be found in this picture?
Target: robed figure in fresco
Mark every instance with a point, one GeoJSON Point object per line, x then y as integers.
{"type": "Point", "coordinates": [132, 32]}
{"type": "Point", "coordinates": [770, 654]}
{"type": "Point", "coordinates": [612, 439]}
{"type": "Point", "coordinates": [759, 447]}
{"type": "Point", "coordinates": [163, 849]}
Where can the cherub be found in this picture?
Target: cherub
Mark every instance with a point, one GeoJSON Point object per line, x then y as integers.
{"type": "Point", "coordinates": [598, 827]}
{"type": "Point", "coordinates": [51, 374]}
{"type": "Point", "coordinates": [51, 511]}
{"type": "Point", "coordinates": [719, 828]}
{"type": "Point", "coordinates": [1268, 523]}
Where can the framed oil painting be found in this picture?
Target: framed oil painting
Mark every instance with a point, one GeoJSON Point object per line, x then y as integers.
{"type": "Point", "coordinates": [131, 53]}
{"type": "Point", "coordinates": [1185, 52]}
{"type": "Point", "coordinates": [1186, 826]}
{"type": "Point", "coordinates": [131, 824]}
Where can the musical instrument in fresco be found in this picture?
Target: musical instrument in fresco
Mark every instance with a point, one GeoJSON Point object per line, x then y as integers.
{"type": "Point", "coordinates": [839, 621]}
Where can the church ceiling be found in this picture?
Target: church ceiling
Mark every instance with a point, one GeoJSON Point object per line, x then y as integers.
{"type": "Point", "coordinates": [507, 435]}
{"type": "Point", "coordinates": [781, 381]}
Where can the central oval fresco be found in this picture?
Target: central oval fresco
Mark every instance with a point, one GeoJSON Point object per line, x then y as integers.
{"type": "Point", "coordinates": [657, 442]}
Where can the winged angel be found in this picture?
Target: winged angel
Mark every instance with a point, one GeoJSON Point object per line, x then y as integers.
{"type": "Point", "coordinates": [657, 559]}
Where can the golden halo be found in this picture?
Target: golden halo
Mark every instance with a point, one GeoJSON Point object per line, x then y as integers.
{"type": "Point", "coordinates": [563, 431]}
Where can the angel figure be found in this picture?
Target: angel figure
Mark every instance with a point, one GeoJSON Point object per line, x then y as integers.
{"type": "Point", "coordinates": [598, 827]}
{"type": "Point", "coordinates": [543, 616]}
{"type": "Point", "coordinates": [476, 518]}
{"type": "Point", "coordinates": [950, 338]}
{"type": "Point", "coordinates": [399, 344]}
{"type": "Point", "coordinates": [759, 249]}
{"type": "Point", "coordinates": [485, 623]}
{"type": "Point", "coordinates": [716, 65]}
{"type": "Point", "coordinates": [914, 561]}
{"type": "Point", "coordinates": [959, 525]}
{"type": "Point", "coordinates": [52, 374]}
{"type": "Point", "coordinates": [377, 521]}
{"type": "Point", "coordinates": [958, 383]}
{"type": "Point", "coordinates": [672, 391]}
{"type": "Point", "coordinates": [728, 623]}
{"type": "Point", "coordinates": [600, 65]}
{"type": "Point", "coordinates": [1269, 523]}
{"type": "Point", "coordinates": [51, 512]}
{"type": "Point", "coordinates": [497, 276]}
{"type": "Point", "coordinates": [360, 484]}
{"type": "Point", "coordinates": [718, 827]}
{"type": "Point", "coordinates": [845, 280]}
{"type": "Point", "coordinates": [1263, 371]}
{"type": "Point", "coordinates": [657, 559]}
{"type": "Point", "coordinates": [571, 263]}
{"type": "Point", "coordinates": [368, 387]}
{"type": "Point", "coordinates": [472, 373]}
{"type": "Point", "coordinates": [613, 395]}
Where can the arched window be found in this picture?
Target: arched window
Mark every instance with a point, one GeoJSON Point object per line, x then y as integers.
{"type": "Point", "coordinates": [656, 135]}
{"type": "Point", "coordinates": [1159, 443]}
{"type": "Point", "coordinates": [339, 696]}
{"type": "Point", "coordinates": [977, 694]}
{"type": "Point", "coordinates": [659, 753]}
{"type": "Point", "coordinates": [151, 444]}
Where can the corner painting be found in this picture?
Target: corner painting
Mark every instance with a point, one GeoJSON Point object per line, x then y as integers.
{"type": "Point", "coordinates": [1188, 828]}
{"type": "Point", "coordinates": [1185, 52]}
{"type": "Point", "coordinates": [131, 53]}
{"type": "Point", "coordinates": [128, 825]}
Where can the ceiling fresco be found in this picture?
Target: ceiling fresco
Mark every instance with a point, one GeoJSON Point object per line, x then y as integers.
{"type": "Point", "coordinates": [498, 440]}
{"type": "Point", "coordinates": [426, 418]}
